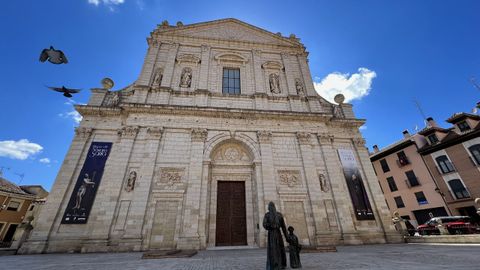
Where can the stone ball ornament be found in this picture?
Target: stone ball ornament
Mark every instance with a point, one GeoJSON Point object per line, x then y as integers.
{"type": "Point", "coordinates": [107, 83]}
{"type": "Point", "coordinates": [339, 98]}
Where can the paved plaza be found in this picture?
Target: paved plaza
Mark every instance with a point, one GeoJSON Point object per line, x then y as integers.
{"type": "Point", "coordinates": [402, 256]}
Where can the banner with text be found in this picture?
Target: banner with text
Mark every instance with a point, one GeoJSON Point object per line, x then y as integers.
{"type": "Point", "coordinates": [361, 204]}
{"type": "Point", "coordinates": [81, 200]}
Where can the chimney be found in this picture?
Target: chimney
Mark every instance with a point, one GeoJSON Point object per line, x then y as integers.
{"type": "Point", "coordinates": [431, 122]}
{"type": "Point", "coordinates": [406, 134]}
{"type": "Point", "coordinates": [375, 149]}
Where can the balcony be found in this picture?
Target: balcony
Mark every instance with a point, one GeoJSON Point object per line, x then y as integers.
{"type": "Point", "coordinates": [403, 162]}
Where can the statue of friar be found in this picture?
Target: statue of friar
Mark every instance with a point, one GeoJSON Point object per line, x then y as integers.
{"type": "Point", "coordinates": [273, 222]}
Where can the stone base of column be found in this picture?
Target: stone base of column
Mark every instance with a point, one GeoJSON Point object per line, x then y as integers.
{"type": "Point", "coordinates": [189, 242]}
{"type": "Point", "coordinates": [394, 237]}
{"type": "Point", "coordinates": [328, 239]}
{"type": "Point", "coordinates": [32, 247]}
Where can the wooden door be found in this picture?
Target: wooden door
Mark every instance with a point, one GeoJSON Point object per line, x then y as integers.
{"type": "Point", "coordinates": [231, 229]}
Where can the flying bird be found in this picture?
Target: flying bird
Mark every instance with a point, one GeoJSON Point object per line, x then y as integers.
{"type": "Point", "coordinates": [53, 56]}
{"type": "Point", "coordinates": [67, 92]}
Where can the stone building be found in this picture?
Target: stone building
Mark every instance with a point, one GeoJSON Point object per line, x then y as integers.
{"type": "Point", "coordinates": [223, 118]}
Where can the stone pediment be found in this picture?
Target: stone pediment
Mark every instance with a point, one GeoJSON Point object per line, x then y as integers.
{"type": "Point", "coordinates": [229, 29]}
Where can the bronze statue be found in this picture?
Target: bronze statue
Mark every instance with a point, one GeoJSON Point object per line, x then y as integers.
{"type": "Point", "coordinates": [273, 222]}
{"type": "Point", "coordinates": [294, 249]}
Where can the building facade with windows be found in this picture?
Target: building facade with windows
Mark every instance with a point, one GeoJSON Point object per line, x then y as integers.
{"type": "Point", "coordinates": [406, 182]}
{"type": "Point", "coordinates": [453, 156]}
{"type": "Point", "coordinates": [223, 119]}
{"type": "Point", "coordinates": [16, 203]}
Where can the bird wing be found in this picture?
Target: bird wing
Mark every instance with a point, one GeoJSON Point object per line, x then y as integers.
{"type": "Point", "coordinates": [44, 55]}
{"type": "Point", "coordinates": [63, 57]}
{"type": "Point", "coordinates": [72, 91]}
{"type": "Point", "coordinates": [58, 89]}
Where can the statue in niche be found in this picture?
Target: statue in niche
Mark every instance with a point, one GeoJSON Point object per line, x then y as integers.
{"type": "Point", "coordinates": [323, 183]}
{"type": "Point", "coordinates": [337, 111]}
{"type": "Point", "coordinates": [115, 99]}
{"type": "Point", "coordinates": [132, 177]}
{"type": "Point", "coordinates": [294, 249]}
{"type": "Point", "coordinates": [274, 83]}
{"type": "Point", "coordinates": [274, 223]}
{"type": "Point", "coordinates": [299, 87]}
{"type": "Point", "coordinates": [186, 79]}
{"type": "Point", "coordinates": [157, 80]}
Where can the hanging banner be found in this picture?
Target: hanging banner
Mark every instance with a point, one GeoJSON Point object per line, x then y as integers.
{"type": "Point", "coordinates": [361, 204]}
{"type": "Point", "coordinates": [81, 200]}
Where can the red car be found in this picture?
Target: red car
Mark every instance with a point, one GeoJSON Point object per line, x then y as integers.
{"type": "Point", "coordinates": [453, 224]}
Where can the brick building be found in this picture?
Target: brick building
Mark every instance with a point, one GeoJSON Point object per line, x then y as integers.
{"type": "Point", "coordinates": [223, 119]}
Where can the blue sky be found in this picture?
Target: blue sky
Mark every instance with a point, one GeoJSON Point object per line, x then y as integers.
{"type": "Point", "coordinates": [395, 51]}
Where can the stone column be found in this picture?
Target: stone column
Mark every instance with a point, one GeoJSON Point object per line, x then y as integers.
{"type": "Point", "coordinates": [190, 238]}
{"type": "Point", "coordinates": [170, 66]}
{"type": "Point", "coordinates": [289, 74]}
{"type": "Point", "coordinates": [52, 212]}
{"type": "Point", "coordinates": [314, 103]}
{"type": "Point", "coordinates": [204, 67]}
{"type": "Point", "coordinates": [375, 194]}
{"type": "Point", "coordinates": [141, 192]}
{"type": "Point", "coordinates": [341, 196]}
{"type": "Point", "coordinates": [260, 204]}
{"type": "Point", "coordinates": [267, 169]}
{"type": "Point", "coordinates": [149, 63]}
{"type": "Point", "coordinates": [204, 201]}
{"type": "Point", "coordinates": [103, 209]}
{"type": "Point", "coordinates": [313, 187]}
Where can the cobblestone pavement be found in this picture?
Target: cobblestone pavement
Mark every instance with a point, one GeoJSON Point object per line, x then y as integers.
{"type": "Point", "coordinates": [402, 256]}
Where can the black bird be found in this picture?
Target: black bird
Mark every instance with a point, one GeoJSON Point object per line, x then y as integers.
{"type": "Point", "coordinates": [66, 91]}
{"type": "Point", "coordinates": [53, 56]}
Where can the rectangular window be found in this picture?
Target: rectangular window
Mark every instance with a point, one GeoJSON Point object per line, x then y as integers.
{"type": "Point", "coordinates": [432, 138]}
{"type": "Point", "coordinates": [31, 207]}
{"type": "Point", "coordinates": [392, 184]}
{"type": "Point", "coordinates": [399, 202]}
{"type": "Point", "coordinates": [384, 164]}
{"type": "Point", "coordinates": [412, 179]}
{"type": "Point", "coordinates": [407, 217]}
{"type": "Point", "coordinates": [421, 198]}
{"type": "Point", "coordinates": [13, 206]}
{"type": "Point", "coordinates": [231, 81]}
{"type": "Point", "coordinates": [402, 159]}
{"type": "Point", "coordinates": [463, 126]}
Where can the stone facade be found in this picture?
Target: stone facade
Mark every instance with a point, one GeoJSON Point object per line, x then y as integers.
{"type": "Point", "coordinates": [181, 136]}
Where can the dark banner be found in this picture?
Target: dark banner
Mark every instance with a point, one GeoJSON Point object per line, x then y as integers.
{"type": "Point", "coordinates": [361, 204]}
{"type": "Point", "coordinates": [83, 195]}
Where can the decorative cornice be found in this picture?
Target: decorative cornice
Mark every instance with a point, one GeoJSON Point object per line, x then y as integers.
{"type": "Point", "coordinates": [128, 132]}
{"type": "Point", "coordinates": [199, 134]}
{"type": "Point", "coordinates": [155, 132]}
{"type": "Point", "coordinates": [82, 132]}
{"type": "Point", "coordinates": [272, 65]}
{"type": "Point", "coordinates": [359, 142]}
{"type": "Point", "coordinates": [264, 136]}
{"type": "Point", "coordinates": [325, 138]}
{"type": "Point", "coordinates": [304, 137]}
{"type": "Point", "coordinates": [231, 57]}
{"type": "Point", "coordinates": [188, 58]}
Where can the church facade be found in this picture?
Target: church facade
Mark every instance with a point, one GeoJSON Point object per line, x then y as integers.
{"type": "Point", "coordinates": [223, 119]}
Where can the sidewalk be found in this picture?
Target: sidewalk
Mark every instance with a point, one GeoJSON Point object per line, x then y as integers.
{"type": "Point", "coordinates": [402, 256]}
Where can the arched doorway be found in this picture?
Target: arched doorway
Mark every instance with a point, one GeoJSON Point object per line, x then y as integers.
{"type": "Point", "coordinates": [231, 215]}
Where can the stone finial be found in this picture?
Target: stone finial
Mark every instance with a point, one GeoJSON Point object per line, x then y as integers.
{"type": "Point", "coordinates": [264, 136]}
{"type": "Point", "coordinates": [107, 83]}
{"type": "Point", "coordinates": [199, 134]}
{"type": "Point", "coordinates": [179, 23]}
{"type": "Point", "coordinates": [165, 24]}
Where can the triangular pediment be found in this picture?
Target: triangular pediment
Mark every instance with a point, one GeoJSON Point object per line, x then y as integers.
{"type": "Point", "coordinates": [229, 29]}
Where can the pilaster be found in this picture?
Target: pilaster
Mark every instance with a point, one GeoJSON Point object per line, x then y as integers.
{"type": "Point", "coordinates": [204, 67]}
{"type": "Point", "coordinates": [257, 71]}
{"type": "Point", "coordinates": [289, 74]}
{"type": "Point", "coordinates": [267, 168]}
{"type": "Point", "coordinates": [149, 64]}
{"type": "Point", "coordinates": [170, 66]}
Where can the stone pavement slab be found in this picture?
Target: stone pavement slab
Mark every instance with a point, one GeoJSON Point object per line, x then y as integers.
{"type": "Point", "coordinates": [401, 256]}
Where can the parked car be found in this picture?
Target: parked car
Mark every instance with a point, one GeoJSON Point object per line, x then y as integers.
{"type": "Point", "coordinates": [453, 224]}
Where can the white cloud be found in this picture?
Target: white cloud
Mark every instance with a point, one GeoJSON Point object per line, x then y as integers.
{"type": "Point", "coordinates": [106, 2]}
{"type": "Point", "coordinates": [21, 149]}
{"type": "Point", "coordinates": [45, 160]}
{"type": "Point", "coordinates": [354, 86]}
{"type": "Point", "coordinates": [363, 127]}
{"type": "Point", "coordinates": [74, 115]}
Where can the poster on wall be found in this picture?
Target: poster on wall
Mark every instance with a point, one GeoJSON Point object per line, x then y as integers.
{"type": "Point", "coordinates": [83, 195]}
{"type": "Point", "coordinates": [356, 188]}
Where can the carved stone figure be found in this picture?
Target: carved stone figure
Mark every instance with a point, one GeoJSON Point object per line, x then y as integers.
{"type": "Point", "coordinates": [274, 83]}
{"type": "Point", "coordinates": [157, 80]}
{"type": "Point", "coordinates": [323, 183]}
{"type": "Point", "coordinates": [299, 87]}
{"type": "Point", "coordinates": [115, 99]}
{"type": "Point", "coordinates": [186, 79]}
{"type": "Point", "coordinates": [294, 249]}
{"type": "Point", "coordinates": [273, 222]}
{"type": "Point", "coordinates": [338, 112]}
{"type": "Point", "coordinates": [132, 177]}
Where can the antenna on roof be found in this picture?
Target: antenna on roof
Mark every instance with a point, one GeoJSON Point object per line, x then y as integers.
{"type": "Point", "coordinates": [474, 82]}
{"type": "Point", "coordinates": [3, 168]}
{"type": "Point", "coordinates": [21, 175]}
{"type": "Point", "coordinates": [417, 104]}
